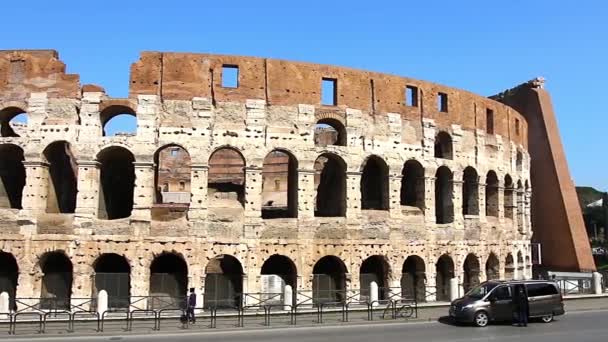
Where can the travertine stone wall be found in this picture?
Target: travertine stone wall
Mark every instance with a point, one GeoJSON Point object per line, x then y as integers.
{"type": "Point", "coordinates": [275, 106]}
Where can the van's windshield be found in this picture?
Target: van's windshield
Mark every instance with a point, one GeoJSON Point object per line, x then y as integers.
{"type": "Point", "coordinates": [481, 290]}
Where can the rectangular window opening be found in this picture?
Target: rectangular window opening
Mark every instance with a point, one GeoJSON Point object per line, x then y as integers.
{"type": "Point", "coordinates": [230, 76]}
{"type": "Point", "coordinates": [411, 96]}
{"type": "Point", "coordinates": [442, 102]}
{"type": "Point", "coordinates": [517, 126]}
{"type": "Point", "coordinates": [489, 121]}
{"type": "Point", "coordinates": [329, 92]}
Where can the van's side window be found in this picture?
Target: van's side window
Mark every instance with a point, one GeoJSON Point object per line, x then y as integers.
{"type": "Point", "coordinates": [542, 289]}
{"type": "Point", "coordinates": [502, 293]}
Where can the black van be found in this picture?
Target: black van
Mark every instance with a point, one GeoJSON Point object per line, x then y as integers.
{"type": "Point", "coordinates": [492, 301]}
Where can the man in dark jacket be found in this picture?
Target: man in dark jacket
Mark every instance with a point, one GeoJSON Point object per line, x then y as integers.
{"type": "Point", "coordinates": [190, 307]}
{"type": "Point", "coordinates": [520, 302]}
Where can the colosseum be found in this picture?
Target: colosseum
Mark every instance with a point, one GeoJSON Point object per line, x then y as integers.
{"type": "Point", "coordinates": [321, 178]}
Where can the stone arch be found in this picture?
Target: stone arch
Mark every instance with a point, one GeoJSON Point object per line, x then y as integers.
{"type": "Point", "coordinates": [492, 267]}
{"type": "Point", "coordinates": [374, 184]}
{"type": "Point", "coordinates": [226, 180]}
{"type": "Point", "coordinates": [509, 267]}
{"type": "Point", "coordinates": [471, 270]}
{"type": "Point", "coordinates": [443, 146]}
{"type": "Point", "coordinates": [113, 274]}
{"type": "Point", "coordinates": [117, 182]}
{"type": "Point", "coordinates": [444, 205]}
{"type": "Point", "coordinates": [223, 282]}
{"type": "Point", "coordinates": [13, 122]}
{"type": "Point", "coordinates": [520, 265]}
{"type": "Point", "coordinates": [57, 278]}
{"type": "Point", "coordinates": [413, 278]}
{"type": "Point", "coordinates": [172, 179]}
{"type": "Point", "coordinates": [444, 273]}
{"type": "Point", "coordinates": [9, 277]}
{"type": "Point", "coordinates": [168, 280]}
{"type": "Point", "coordinates": [329, 280]}
{"type": "Point", "coordinates": [330, 185]}
{"type": "Point", "coordinates": [491, 194]}
{"type": "Point", "coordinates": [12, 176]}
{"type": "Point", "coordinates": [412, 184]}
{"type": "Point", "coordinates": [280, 185]}
{"type": "Point", "coordinates": [113, 113]}
{"type": "Point", "coordinates": [374, 269]}
{"type": "Point", "coordinates": [63, 175]}
{"type": "Point", "coordinates": [330, 129]}
{"type": "Point", "coordinates": [508, 197]}
{"type": "Point", "coordinates": [470, 192]}
{"type": "Point", "coordinates": [277, 272]}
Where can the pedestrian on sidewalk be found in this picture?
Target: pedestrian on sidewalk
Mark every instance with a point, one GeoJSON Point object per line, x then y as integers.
{"type": "Point", "coordinates": [190, 307]}
{"type": "Point", "coordinates": [521, 307]}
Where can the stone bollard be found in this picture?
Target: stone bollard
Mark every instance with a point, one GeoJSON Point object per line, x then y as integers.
{"type": "Point", "coordinates": [373, 293]}
{"type": "Point", "coordinates": [200, 301]}
{"type": "Point", "coordinates": [4, 303]}
{"type": "Point", "coordinates": [102, 302]}
{"type": "Point", "coordinates": [454, 289]}
{"type": "Point", "coordinates": [287, 297]}
{"type": "Point", "coordinates": [597, 283]}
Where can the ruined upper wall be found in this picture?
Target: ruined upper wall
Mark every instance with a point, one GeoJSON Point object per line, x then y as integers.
{"type": "Point", "coordinates": [182, 76]}
{"type": "Point", "coordinates": [23, 72]}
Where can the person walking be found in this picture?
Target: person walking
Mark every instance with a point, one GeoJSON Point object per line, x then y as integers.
{"type": "Point", "coordinates": [190, 306]}
{"type": "Point", "coordinates": [521, 306]}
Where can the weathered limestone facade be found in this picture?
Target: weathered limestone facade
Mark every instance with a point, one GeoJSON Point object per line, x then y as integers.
{"type": "Point", "coordinates": [275, 106]}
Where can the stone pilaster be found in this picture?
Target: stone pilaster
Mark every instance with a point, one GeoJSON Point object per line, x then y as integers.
{"type": "Point", "coordinates": [87, 202]}
{"type": "Point", "coordinates": [35, 192]}
{"type": "Point", "coordinates": [429, 196]}
{"type": "Point", "coordinates": [143, 194]}
{"type": "Point", "coordinates": [394, 191]}
{"type": "Point", "coordinates": [148, 107]}
{"type": "Point", "coordinates": [481, 197]}
{"type": "Point", "coordinates": [198, 189]}
{"type": "Point", "coordinates": [306, 193]}
{"type": "Point", "coordinates": [253, 192]}
{"type": "Point", "coordinates": [457, 199]}
{"type": "Point", "coordinates": [90, 123]}
{"type": "Point", "coordinates": [353, 194]}
{"type": "Point", "coordinates": [501, 201]}
{"type": "Point", "coordinates": [428, 137]}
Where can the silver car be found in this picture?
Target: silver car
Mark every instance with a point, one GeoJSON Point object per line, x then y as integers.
{"type": "Point", "coordinates": [493, 301]}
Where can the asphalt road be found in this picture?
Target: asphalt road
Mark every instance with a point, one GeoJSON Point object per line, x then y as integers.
{"type": "Point", "coordinates": [578, 326]}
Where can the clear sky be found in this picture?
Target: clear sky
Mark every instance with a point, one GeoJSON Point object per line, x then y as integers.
{"type": "Point", "coordinates": [481, 46]}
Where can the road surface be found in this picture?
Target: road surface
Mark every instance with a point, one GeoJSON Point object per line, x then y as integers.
{"type": "Point", "coordinates": [587, 326]}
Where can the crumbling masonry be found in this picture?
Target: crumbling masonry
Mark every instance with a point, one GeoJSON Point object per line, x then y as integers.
{"type": "Point", "coordinates": [413, 184]}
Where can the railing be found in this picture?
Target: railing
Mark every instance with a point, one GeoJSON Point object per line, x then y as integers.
{"type": "Point", "coordinates": [572, 286]}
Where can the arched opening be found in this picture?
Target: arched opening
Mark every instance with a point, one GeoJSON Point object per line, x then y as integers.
{"type": "Point", "coordinates": [471, 272]}
{"type": "Point", "coordinates": [519, 161]}
{"type": "Point", "coordinates": [443, 146]}
{"type": "Point", "coordinates": [223, 282]}
{"type": "Point", "coordinates": [9, 275]}
{"type": "Point", "coordinates": [13, 122]}
{"type": "Point", "coordinates": [491, 194]}
{"type": "Point", "coordinates": [470, 192]}
{"type": "Point", "coordinates": [278, 271]}
{"type": "Point", "coordinates": [508, 196]}
{"type": "Point", "coordinates": [113, 274]}
{"type": "Point", "coordinates": [329, 280]}
{"type": "Point", "coordinates": [492, 267]}
{"type": "Point", "coordinates": [520, 266]}
{"type": "Point", "coordinates": [279, 185]}
{"type": "Point", "coordinates": [117, 183]}
{"type": "Point", "coordinates": [118, 120]}
{"type": "Point", "coordinates": [330, 182]}
{"type": "Point", "coordinates": [509, 267]}
{"type": "Point", "coordinates": [412, 185]}
{"type": "Point", "coordinates": [226, 183]}
{"type": "Point", "coordinates": [171, 183]}
{"type": "Point", "coordinates": [374, 184]}
{"type": "Point", "coordinates": [57, 275]}
{"type": "Point", "coordinates": [413, 278]}
{"type": "Point", "coordinates": [444, 272]}
{"type": "Point", "coordinates": [444, 206]}
{"type": "Point", "coordinates": [329, 132]}
{"type": "Point", "coordinates": [63, 173]}
{"type": "Point", "coordinates": [12, 176]}
{"type": "Point", "coordinates": [374, 269]}
{"type": "Point", "coordinates": [168, 281]}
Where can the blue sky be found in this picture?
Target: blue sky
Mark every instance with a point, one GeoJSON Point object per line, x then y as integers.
{"type": "Point", "coordinates": [481, 46]}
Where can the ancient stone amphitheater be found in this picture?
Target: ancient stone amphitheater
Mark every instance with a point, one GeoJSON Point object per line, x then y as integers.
{"type": "Point", "coordinates": [318, 177]}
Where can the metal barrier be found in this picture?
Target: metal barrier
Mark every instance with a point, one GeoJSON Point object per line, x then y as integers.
{"type": "Point", "coordinates": [575, 286]}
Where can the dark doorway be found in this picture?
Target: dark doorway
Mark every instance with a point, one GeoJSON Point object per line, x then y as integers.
{"type": "Point", "coordinates": [223, 282]}
{"type": "Point", "coordinates": [56, 291]}
{"type": "Point", "coordinates": [12, 176]}
{"type": "Point", "coordinates": [330, 182]}
{"type": "Point", "coordinates": [168, 282]}
{"type": "Point", "coordinates": [113, 274]}
{"type": "Point", "coordinates": [117, 183]}
{"type": "Point", "coordinates": [63, 173]}
{"type": "Point", "coordinates": [9, 275]}
{"type": "Point", "coordinates": [374, 184]}
{"type": "Point", "coordinates": [329, 281]}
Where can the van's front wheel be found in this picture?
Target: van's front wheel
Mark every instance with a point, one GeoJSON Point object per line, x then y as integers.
{"type": "Point", "coordinates": [547, 318]}
{"type": "Point", "coordinates": [481, 319]}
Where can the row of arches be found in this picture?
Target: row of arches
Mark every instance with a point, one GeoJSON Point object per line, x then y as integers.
{"type": "Point", "coordinates": [227, 178]}
{"type": "Point", "coordinates": [224, 278]}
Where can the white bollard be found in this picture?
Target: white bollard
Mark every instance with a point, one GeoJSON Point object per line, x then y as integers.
{"type": "Point", "coordinates": [454, 289]}
{"type": "Point", "coordinates": [373, 293]}
{"type": "Point", "coordinates": [4, 303]}
{"type": "Point", "coordinates": [102, 302]}
{"type": "Point", "coordinates": [597, 283]}
{"type": "Point", "coordinates": [287, 297]}
{"type": "Point", "coordinates": [200, 301]}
